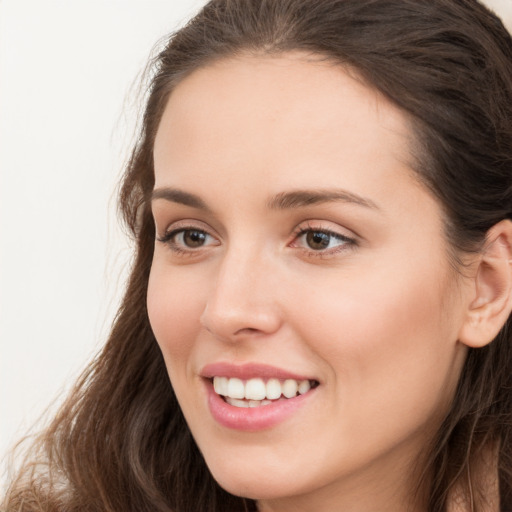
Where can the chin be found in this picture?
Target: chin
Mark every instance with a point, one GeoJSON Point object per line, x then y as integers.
{"type": "Point", "coordinates": [256, 483]}
{"type": "Point", "coordinates": [253, 490]}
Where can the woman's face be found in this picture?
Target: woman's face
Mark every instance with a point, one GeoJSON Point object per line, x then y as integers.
{"type": "Point", "coordinates": [297, 255]}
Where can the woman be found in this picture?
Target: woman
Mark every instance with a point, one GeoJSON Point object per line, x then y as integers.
{"type": "Point", "coordinates": [318, 313]}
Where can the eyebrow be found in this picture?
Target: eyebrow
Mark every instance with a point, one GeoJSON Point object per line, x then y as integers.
{"type": "Point", "coordinates": [282, 201]}
{"type": "Point", "coordinates": [303, 198]}
{"type": "Point", "coordinates": [179, 196]}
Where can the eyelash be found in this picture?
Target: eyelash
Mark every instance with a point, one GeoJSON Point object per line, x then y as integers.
{"type": "Point", "coordinates": [347, 242]}
{"type": "Point", "coordinates": [169, 239]}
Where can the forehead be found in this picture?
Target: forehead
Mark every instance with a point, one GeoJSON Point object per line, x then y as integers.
{"type": "Point", "coordinates": [285, 119]}
{"type": "Point", "coordinates": [296, 90]}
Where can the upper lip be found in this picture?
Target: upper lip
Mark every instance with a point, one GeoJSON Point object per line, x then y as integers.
{"type": "Point", "coordinates": [249, 371]}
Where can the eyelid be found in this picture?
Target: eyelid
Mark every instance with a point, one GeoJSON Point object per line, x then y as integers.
{"type": "Point", "coordinates": [175, 228]}
{"type": "Point", "coordinates": [348, 238]}
{"type": "Point", "coordinates": [184, 224]}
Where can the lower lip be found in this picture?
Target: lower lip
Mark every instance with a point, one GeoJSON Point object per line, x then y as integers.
{"type": "Point", "coordinates": [253, 418]}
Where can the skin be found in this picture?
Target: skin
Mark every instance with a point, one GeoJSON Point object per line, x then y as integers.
{"type": "Point", "coordinates": [375, 320]}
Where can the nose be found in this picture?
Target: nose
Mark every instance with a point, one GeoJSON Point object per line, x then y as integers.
{"type": "Point", "coordinates": [243, 301]}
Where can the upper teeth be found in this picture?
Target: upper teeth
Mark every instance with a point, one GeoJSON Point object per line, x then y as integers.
{"type": "Point", "coordinates": [258, 389]}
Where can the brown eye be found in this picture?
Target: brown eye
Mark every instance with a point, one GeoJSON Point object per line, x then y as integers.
{"type": "Point", "coordinates": [187, 239]}
{"type": "Point", "coordinates": [322, 241]}
{"type": "Point", "coordinates": [318, 240]}
{"type": "Point", "coordinates": [193, 238]}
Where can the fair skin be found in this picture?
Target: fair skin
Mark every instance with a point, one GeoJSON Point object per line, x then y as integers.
{"type": "Point", "coordinates": [354, 291]}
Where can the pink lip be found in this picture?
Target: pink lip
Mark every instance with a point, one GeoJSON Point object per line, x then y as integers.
{"type": "Point", "coordinates": [257, 418]}
{"type": "Point", "coordinates": [253, 419]}
{"type": "Point", "coordinates": [249, 371]}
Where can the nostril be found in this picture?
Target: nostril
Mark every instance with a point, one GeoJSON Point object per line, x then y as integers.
{"type": "Point", "coordinates": [247, 330]}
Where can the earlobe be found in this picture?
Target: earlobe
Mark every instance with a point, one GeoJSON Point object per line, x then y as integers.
{"type": "Point", "coordinates": [491, 303]}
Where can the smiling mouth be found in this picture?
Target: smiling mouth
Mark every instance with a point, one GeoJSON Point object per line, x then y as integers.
{"type": "Point", "coordinates": [259, 392]}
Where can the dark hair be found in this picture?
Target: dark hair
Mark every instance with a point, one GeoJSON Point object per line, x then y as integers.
{"type": "Point", "coordinates": [120, 442]}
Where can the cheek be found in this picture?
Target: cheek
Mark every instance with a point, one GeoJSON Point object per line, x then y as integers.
{"type": "Point", "coordinates": [174, 309]}
{"type": "Point", "coordinates": [391, 345]}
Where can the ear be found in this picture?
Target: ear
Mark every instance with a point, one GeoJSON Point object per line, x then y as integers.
{"type": "Point", "coordinates": [491, 302]}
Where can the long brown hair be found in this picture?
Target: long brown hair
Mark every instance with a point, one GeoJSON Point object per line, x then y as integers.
{"type": "Point", "coordinates": [120, 442]}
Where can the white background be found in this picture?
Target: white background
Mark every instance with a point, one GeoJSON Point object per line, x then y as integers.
{"type": "Point", "coordinates": [67, 117]}
{"type": "Point", "coordinates": [68, 75]}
